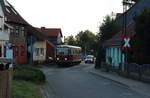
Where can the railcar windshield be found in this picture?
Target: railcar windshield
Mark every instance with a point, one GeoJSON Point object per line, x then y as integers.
{"type": "Point", "coordinates": [63, 51]}
{"type": "Point", "coordinates": [89, 56]}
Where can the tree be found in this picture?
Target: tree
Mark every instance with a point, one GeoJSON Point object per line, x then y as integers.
{"type": "Point", "coordinates": [87, 40]}
{"type": "Point", "coordinates": [70, 40]}
{"type": "Point", "coordinates": [141, 41]}
{"type": "Point", "coordinates": [107, 29]}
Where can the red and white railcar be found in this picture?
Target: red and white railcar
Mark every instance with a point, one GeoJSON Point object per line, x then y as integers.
{"type": "Point", "coordinates": [68, 55]}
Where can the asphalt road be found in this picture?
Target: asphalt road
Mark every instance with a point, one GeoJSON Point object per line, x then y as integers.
{"type": "Point", "coordinates": [76, 82]}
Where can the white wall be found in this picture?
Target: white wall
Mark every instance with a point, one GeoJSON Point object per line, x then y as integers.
{"type": "Point", "coordinates": [39, 44]}
{"type": "Point", "coordinates": [3, 34]}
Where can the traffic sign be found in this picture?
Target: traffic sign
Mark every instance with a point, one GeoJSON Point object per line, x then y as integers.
{"type": "Point", "coordinates": [126, 43]}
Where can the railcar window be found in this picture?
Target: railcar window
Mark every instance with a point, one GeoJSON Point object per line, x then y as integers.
{"type": "Point", "coordinates": [62, 51]}
{"type": "Point", "coordinates": [69, 51]}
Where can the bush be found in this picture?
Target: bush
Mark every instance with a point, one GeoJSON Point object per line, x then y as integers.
{"type": "Point", "coordinates": [29, 73]}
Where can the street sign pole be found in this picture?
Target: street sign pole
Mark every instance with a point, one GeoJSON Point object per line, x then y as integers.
{"type": "Point", "coordinates": [125, 31]}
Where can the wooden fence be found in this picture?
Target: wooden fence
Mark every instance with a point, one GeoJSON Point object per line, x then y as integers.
{"type": "Point", "coordinates": [5, 83]}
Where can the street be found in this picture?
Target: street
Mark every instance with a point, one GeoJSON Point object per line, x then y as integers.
{"type": "Point", "coordinates": [77, 82]}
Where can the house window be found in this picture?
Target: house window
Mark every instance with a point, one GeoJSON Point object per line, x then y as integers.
{"type": "Point", "coordinates": [37, 51]}
{"type": "Point", "coordinates": [16, 50]}
{"type": "Point", "coordinates": [23, 31]}
{"type": "Point", "coordinates": [42, 52]}
{"type": "Point", "coordinates": [11, 31]}
{"type": "Point", "coordinates": [4, 51]}
{"type": "Point", "coordinates": [17, 31]}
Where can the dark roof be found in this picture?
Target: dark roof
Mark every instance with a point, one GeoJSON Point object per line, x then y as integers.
{"type": "Point", "coordinates": [35, 32]}
{"type": "Point", "coordinates": [11, 14]}
{"type": "Point", "coordinates": [50, 32]}
{"type": "Point", "coordinates": [117, 39]}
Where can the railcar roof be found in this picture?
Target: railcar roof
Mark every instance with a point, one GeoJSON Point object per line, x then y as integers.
{"type": "Point", "coordinates": [67, 46]}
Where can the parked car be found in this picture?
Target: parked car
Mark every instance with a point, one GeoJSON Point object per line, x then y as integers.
{"type": "Point", "coordinates": [89, 59]}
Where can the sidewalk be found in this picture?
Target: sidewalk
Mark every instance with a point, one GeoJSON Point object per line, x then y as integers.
{"type": "Point", "coordinates": [138, 86]}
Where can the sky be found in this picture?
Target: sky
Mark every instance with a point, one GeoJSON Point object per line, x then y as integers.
{"type": "Point", "coordinates": [72, 16]}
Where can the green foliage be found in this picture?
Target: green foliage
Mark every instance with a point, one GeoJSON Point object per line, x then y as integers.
{"type": "Point", "coordinates": [29, 73]}
{"type": "Point", "coordinates": [87, 40]}
{"type": "Point", "coordinates": [107, 29]}
{"type": "Point", "coordinates": [70, 40]}
{"type": "Point", "coordinates": [141, 42]}
{"type": "Point", "coordinates": [23, 89]}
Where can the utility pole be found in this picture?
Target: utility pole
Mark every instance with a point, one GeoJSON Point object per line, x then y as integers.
{"type": "Point", "coordinates": [126, 5]}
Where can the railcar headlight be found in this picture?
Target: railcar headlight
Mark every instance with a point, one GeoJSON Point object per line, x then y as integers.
{"type": "Point", "coordinates": [65, 58]}
{"type": "Point", "coordinates": [57, 58]}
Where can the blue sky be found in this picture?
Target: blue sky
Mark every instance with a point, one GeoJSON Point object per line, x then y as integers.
{"type": "Point", "coordinates": [71, 16]}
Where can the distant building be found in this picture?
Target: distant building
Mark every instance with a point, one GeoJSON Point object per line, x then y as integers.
{"type": "Point", "coordinates": [44, 51]}
{"type": "Point", "coordinates": [39, 48]}
{"type": "Point", "coordinates": [54, 35]}
{"type": "Point", "coordinates": [33, 35]}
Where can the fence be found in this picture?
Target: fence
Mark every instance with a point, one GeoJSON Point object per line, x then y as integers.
{"type": "Point", "coordinates": [132, 70]}
{"type": "Point", "coordinates": [5, 83]}
{"type": "Point", "coordinates": [139, 70]}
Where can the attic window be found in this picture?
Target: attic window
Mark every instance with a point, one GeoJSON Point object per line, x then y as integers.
{"type": "Point", "coordinates": [7, 10]}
